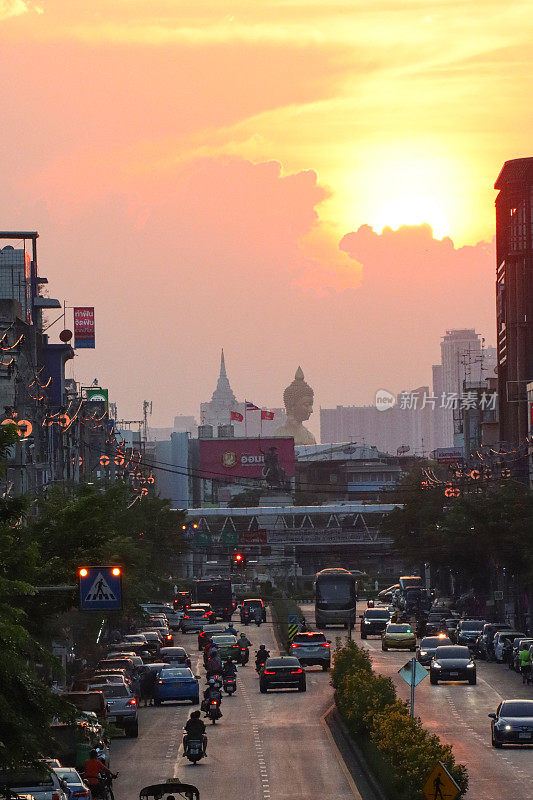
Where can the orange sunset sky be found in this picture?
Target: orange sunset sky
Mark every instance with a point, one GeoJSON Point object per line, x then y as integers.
{"type": "Point", "coordinates": [213, 174]}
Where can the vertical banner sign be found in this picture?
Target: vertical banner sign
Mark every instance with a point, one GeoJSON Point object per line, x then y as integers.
{"type": "Point", "coordinates": [84, 327]}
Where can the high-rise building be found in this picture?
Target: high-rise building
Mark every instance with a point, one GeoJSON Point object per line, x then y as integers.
{"type": "Point", "coordinates": [514, 295]}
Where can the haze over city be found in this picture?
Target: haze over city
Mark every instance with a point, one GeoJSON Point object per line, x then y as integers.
{"type": "Point", "coordinates": [226, 174]}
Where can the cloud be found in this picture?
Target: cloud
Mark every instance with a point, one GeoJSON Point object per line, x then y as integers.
{"type": "Point", "coordinates": [13, 8]}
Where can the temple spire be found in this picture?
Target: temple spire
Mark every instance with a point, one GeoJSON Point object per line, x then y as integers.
{"type": "Point", "coordinates": [222, 365]}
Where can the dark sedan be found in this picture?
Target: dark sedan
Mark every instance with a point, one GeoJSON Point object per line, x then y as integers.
{"type": "Point", "coordinates": [175, 656]}
{"type": "Point", "coordinates": [283, 672]}
{"type": "Point", "coordinates": [428, 646]}
{"type": "Point", "coordinates": [468, 630]}
{"type": "Point", "coordinates": [374, 621]}
{"type": "Point", "coordinates": [512, 723]}
{"type": "Point", "coordinates": [452, 663]}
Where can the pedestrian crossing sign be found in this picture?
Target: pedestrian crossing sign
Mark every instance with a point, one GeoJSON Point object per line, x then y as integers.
{"type": "Point", "coordinates": [440, 785]}
{"type": "Point", "coordinates": [100, 589]}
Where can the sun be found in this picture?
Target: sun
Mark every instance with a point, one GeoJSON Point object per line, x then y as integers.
{"type": "Point", "coordinates": [412, 210]}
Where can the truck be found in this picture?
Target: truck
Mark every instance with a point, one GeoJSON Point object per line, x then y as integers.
{"type": "Point", "coordinates": [219, 593]}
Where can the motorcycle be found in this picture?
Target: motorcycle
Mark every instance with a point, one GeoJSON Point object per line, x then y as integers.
{"type": "Point", "coordinates": [213, 711]}
{"type": "Point", "coordinates": [245, 656]}
{"type": "Point", "coordinates": [105, 787]}
{"type": "Point", "coordinates": [230, 685]}
{"type": "Point", "coordinates": [193, 750]}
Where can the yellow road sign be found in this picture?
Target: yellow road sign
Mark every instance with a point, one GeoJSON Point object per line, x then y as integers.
{"type": "Point", "coordinates": [440, 785]}
{"type": "Point", "coordinates": [293, 630]}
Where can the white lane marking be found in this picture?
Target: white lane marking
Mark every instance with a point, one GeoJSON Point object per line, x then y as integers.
{"type": "Point", "coordinates": [263, 772]}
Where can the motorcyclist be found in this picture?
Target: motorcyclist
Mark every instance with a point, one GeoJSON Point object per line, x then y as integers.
{"type": "Point", "coordinates": [231, 629]}
{"type": "Point", "coordinates": [258, 615]}
{"type": "Point", "coordinates": [212, 692]}
{"type": "Point", "coordinates": [214, 665]}
{"type": "Point", "coordinates": [195, 730]}
{"type": "Point", "coordinates": [244, 641]}
{"type": "Point", "coordinates": [92, 771]}
{"type": "Point", "coordinates": [261, 655]}
{"type": "Point", "coordinates": [229, 670]}
{"type": "Point", "coordinates": [524, 657]}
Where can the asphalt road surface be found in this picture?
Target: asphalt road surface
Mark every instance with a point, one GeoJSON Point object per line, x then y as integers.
{"type": "Point", "coordinates": [458, 713]}
{"type": "Point", "coordinates": [270, 746]}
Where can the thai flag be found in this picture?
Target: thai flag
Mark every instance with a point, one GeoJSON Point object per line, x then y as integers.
{"type": "Point", "coordinates": [251, 407]}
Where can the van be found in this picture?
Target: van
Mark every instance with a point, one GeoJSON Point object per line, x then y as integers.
{"type": "Point", "coordinates": [173, 615]}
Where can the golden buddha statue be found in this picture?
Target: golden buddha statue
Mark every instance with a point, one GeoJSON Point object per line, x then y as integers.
{"type": "Point", "coordinates": [298, 399]}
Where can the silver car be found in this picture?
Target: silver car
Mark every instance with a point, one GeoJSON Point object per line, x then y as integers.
{"type": "Point", "coordinates": [312, 648]}
{"type": "Point", "coordinates": [29, 781]}
{"type": "Point", "coordinates": [121, 706]}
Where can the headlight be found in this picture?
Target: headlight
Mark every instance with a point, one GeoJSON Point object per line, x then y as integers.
{"type": "Point", "coordinates": [507, 727]}
{"type": "Point", "coordinates": [368, 622]}
{"type": "Point", "coordinates": [471, 665]}
{"type": "Point", "coordinates": [436, 665]}
{"type": "Point", "coordinates": [423, 653]}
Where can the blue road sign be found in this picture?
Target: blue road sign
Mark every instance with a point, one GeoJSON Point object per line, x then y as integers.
{"type": "Point", "coordinates": [293, 619]}
{"type": "Point", "coordinates": [100, 589]}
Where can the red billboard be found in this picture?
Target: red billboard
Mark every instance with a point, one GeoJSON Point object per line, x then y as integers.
{"type": "Point", "coordinates": [223, 459]}
{"type": "Point", "coordinates": [84, 327]}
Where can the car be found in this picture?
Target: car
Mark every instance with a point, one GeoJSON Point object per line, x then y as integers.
{"type": "Point", "coordinates": [122, 707]}
{"type": "Point", "coordinates": [194, 619]}
{"type": "Point", "coordinates": [501, 637]}
{"type": "Point", "coordinates": [173, 615]}
{"type": "Point", "coordinates": [30, 781]}
{"type": "Point", "coordinates": [206, 607]}
{"type": "Point", "coordinates": [160, 624]}
{"type": "Point", "coordinates": [134, 642]}
{"type": "Point", "coordinates": [227, 644]}
{"type": "Point", "coordinates": [282, 672]}
{"type": "Point", "coordinates": [176, 683]}
{"type": "Point", "coordinates": [74, 783]}
{"type": "Point", "coordinates": [434, 624]}
{"type": "Point", "coordinates": [204, 636]}
{"type": "Point", "coordinates": [485, 640]}
{"type": "Point", "coordinates": [428, 645]}
{"type": "Point", "coordinates": [452, 663]}
{"type": "Point", "coordinates": [512, 723]}
{"type": "Point", "coordinates": [117, 663]}
{"type": "Point", "coordinates": [103, 677]}
{"type": "Point", "coordinates": [136, 660]}
{"type": "Point", "coordinates": [374, 621]}
{"type": "Point", "coordinates": [175, 656]}
{"type": "Point", "coordinates": [468, 630]}
{"type": "Point", "coordinates": [398, 636]}
{"type": "Point", "coordinates": [92, 700]}
{"type": "Point", "coordinates": [451, 628]}
{"type": "Point", "coordinates": [312, 648]}
{"type": "Point", "coordinates": [248, 609]}
{"type": "Point", "coordinates": [153, 642]}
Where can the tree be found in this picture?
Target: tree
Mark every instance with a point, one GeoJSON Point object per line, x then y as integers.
{"type": "Point", "coordinates": [27, 706]}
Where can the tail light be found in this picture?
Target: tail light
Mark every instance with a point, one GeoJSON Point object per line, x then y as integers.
{"type": "Point", "coordinates": [294, 645]}
{"type": "Point", "coordinates": [160, 681]}
{"type": "Point", "coordinates": [205, 616]}
{"type": "Point", "coordinates": [214, 702]}
{"type": "Point", "coordinates": [132, 702]}
{"type": "Point", "coordinates": [296, 671]}
{"type": "Point", "coordinates": [169, 637]}
{"type": "Point", "coordinates": [55, 795]}
{"type": "Point", "coordinates": [186, 616]}
{"type": "Point", "coordinates": [324, 644]}
{"type": "Point", "coordinates": [270, 672]}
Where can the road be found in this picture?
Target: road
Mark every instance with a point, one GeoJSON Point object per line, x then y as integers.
{"type": "Point", "coordinates": [265, 747]}
{"type": "Point", "coordinates": [458, 714]}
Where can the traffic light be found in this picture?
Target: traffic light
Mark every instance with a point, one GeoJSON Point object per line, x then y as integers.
{"type": "Point", "coordinates": [238, 561]}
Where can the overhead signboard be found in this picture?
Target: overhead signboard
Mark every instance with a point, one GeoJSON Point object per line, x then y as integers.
{"type": "Point", "coordinates": [447, 455]}
{"type": "Point", "coordinates": [98, 395]}
{"type": "Point", "coordinates": [223, 459]}
{"type": "Point", "coordinates": [100, 588]}
{"type": "Point", "coordinates": [84, 327]}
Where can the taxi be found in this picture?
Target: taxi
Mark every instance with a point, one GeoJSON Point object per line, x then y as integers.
{"type": "Point", "coordinates": [398, 636]}
{"type": "Point", "coordinates": [228, 647]}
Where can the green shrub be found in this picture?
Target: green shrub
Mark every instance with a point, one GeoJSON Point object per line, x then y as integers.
{"type": "Point", "coordinates": [349, 658]}
{"type": "Point", "coordinates": [412, 751]}
{"type": "Point", "coordinates": [376, 717]}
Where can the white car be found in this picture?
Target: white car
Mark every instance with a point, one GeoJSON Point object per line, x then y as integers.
{"type": "Point", "coordinates": [500, 639]}
{"type": "Point", "coordinates": [29, 781]}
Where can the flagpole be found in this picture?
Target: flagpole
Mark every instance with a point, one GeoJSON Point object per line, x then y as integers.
{"type": "Point", "coordinates": [245, 420]}
{"type": "Point", "coordinates": [261, 424]}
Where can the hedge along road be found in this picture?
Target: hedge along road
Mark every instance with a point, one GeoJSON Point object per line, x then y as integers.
{"type": "Point", "coordinates": [457, 713]}
{"type": "Point", "coordinates": [265, 747]}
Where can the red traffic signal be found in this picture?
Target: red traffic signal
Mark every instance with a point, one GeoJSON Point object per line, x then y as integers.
{"type": "Point", "coordinates": [238, 560]}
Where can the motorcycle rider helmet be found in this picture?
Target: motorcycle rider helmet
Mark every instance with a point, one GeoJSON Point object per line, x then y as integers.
{"type": "Point", "coordinates": [262, 647]}
{"type": "Point", "coordinates": [212, 681]}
